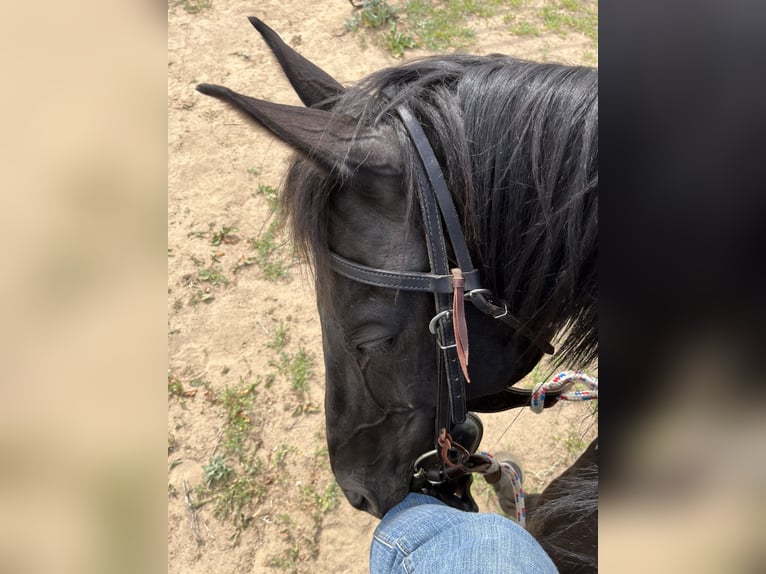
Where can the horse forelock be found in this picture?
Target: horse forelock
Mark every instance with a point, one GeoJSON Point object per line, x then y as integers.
{"type": "Point", "coordinates": [517, 142]}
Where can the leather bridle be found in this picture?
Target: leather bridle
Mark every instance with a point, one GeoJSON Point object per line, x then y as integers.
{"type": "Point", "coordinates": [450, 287]}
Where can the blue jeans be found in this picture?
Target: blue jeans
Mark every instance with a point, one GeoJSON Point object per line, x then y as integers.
{"type": "Point", "coordinates": [423, 535]}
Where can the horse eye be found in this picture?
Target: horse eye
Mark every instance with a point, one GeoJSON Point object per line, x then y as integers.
{"type": "Point", "coordinates": [381, 344]}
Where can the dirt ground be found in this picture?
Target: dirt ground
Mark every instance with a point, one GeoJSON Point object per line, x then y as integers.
{"type": "Point", "coordinates": [225, 311]}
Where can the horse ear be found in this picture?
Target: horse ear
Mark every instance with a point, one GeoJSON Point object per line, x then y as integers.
{"type": "Point", "coordinates": [337, 142]}
{"type": "Point", "coordinates": [313, 85]}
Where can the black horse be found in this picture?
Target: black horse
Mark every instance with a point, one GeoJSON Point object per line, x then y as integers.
{"type": "Point", "coordinates": [515, 142]}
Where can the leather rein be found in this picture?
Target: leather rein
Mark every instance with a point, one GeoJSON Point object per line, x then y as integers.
{"type": "Point", "coordinates": [451, 287]}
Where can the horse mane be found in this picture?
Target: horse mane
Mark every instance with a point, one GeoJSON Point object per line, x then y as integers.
{"type": "Point", "coordinates": [565, 524]}
{"type": "Point", "coordinates": [517, 142]}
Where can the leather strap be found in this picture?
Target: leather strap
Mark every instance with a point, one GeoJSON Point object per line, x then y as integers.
{"type": "Point", "coordinates": [404, 280]}
{"type": "Point", "coordinates": [458, 322]}
{"type": "Point", "coordinates": [439, 188]}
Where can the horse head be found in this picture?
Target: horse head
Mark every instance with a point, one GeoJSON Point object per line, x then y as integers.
{"type": "Point", "coordinates": [351, 193]}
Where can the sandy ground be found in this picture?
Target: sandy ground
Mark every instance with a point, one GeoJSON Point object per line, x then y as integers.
{"type": "Point", "coordinates": [219, 333]}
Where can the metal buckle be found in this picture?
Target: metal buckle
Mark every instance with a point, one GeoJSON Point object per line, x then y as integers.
{"type": "Point", "coordinates": [419, 472]}
{"type": "Point", "coordinates": [488, 295]}
{"type": "Point", "coordinates": [505, 312]}
{"type": "Point", "coordinates": [469, 294]}
{"type": "Point", "coordinates": [432, 328]}
{"type": "Point", "coordinates": [432, 324]}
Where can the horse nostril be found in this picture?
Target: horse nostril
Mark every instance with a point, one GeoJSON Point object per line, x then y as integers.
{"type": "Point", "coordinates": [361, 502]}
{"type": "Point", "coordinates": [357, 500]}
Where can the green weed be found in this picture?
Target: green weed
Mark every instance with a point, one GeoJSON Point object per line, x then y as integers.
{"type": "Point", "coordinates": [193, 6]}
{"type": "Point", "coordinates": [288, 560]}
{"type": "Point", "coordinates": [438, 26]}
{"type": "Point", "coordinates": [397, 42]}
{"type": "Point", "coordinates": [558, 17]}
{"type": "Point", "coordinates": [212, 274]}
{"type": "Point", "coordinates": [523, 28]}
{"type": "Point", "coordinates": [242, 491]}
{"type": "Point", "coordinates": [237, 403]}
{"type": "Point", "coordinates": [217, 472]}
{"type": "Point", "coordinates": [232, 479]}
{"type": "Point", "coordinates": [441, 26]}
{"type": "Point", "coordinates": [374, 14]}
{"type": "Point", "coordinates": [282, 451]}
{"type": "Point", "coordinates": [175, 389]}
{"type": "Point", "coordinates": [268, 254]}
{"type": "Point", "coordinates": [280, 338]}
{"type": "Point", "coordinates": [319, 503]}
{"type": "Point", "coordinates": [225, 235]}
{"type": "Point", "coordinates": [298, 369]}
{"type": "Point", "coordinates": [200, 296]}
{"type": "Point", "coordinates": [421, 23]}
{"type": "Point", "coordinates": [271, 196]}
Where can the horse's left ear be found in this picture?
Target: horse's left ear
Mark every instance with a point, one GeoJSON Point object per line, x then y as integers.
{"type": "Point", "coordinates": [337, 142]}
{"type": "Point", "coordinates": [313, 85]}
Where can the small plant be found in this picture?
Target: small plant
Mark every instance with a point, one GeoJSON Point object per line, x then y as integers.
{"type": "Point", "coordinates": [374, 14]}
{"type": "Point", "coordinates": [198, 233]}
{"type": "Point", "coordinates": [217, 472]}
{"type": "Point", "coordinates": [280, 338]}
{"type": "Point", "coordinates": [288, 559]}
{"type": "Point", "coordinates": [270, 194]}
{"type": "Point", "coordinates": [282, 451]}
{"type": "Point", "coordinates": [232, 479]}
{"type": "Point", "coordinates": [200, 296]}
{"type": "Point", "coordinates": [397, 42]}
{"type": "Point", "coordinates": [298, 368]}
{"type": "Point", "coordinates": [522, 27]}
{"type": "Point", "coordinates": [225, 235]}
{"type": "Point", "coordinates": [237, 403]}
{"type": "Point", "coordinates": [231, 500]}
{"type": "Point", "coordinates": [194, 6]}
{"type": "Point", "coordinates": [268, 255]}
{"type": "Point", "coordinates": [212, 274]}
{"type": "Point", "coordinates": [175, 389]}
{"type": "Point", "coordinates": [319, 503]}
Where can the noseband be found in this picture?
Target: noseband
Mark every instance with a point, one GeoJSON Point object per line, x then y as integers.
{"type": "Point", "coordinates": [450, 286]}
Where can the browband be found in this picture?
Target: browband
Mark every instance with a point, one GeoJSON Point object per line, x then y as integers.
{"type": "Point", "coordinates": [404, 280]}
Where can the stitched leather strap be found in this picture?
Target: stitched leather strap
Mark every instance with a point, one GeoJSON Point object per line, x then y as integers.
{"type": "Point", "coordinates": [439, 188]}
{"type": "Point", "coordinates": [404, 280]}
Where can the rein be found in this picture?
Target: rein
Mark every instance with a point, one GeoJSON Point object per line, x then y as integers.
{"type": "Point", "coordinates": [451, 287]}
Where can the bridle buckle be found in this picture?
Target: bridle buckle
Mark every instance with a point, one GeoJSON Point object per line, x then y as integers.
{"type": "Point", "coordinates": [433, 328]}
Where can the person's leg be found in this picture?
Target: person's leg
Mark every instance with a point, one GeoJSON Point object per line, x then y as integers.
{"type": "Point", "coordinates": [423, 535]}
